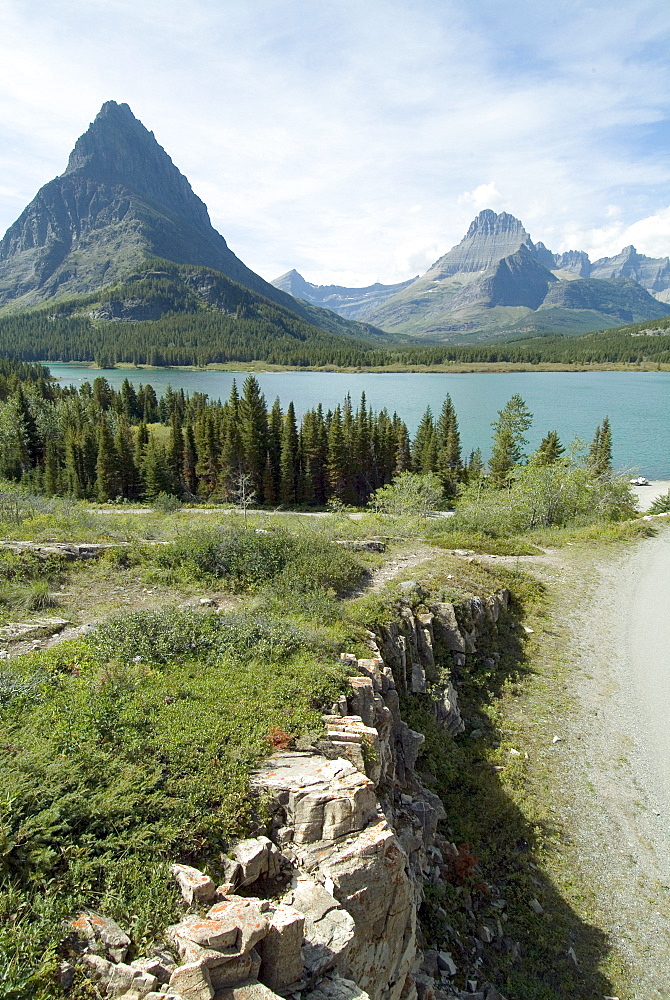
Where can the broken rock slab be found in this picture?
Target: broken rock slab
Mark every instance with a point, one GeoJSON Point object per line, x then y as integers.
{"type": "Point", "coordinates": [192, 982]}
{"type": "Point", "coordinates": [194, 884]}
{"type": "Point", "coordinates": [257, 858]}
{"type": "Point", "coordinates": [336, 988]}
{"type": "Point", "coordinates": [321, 799]}
{"type": "Point", "coordinates": [236, 972]}
{"type": "Point", "coordinates": [329, 929]}
{"type": "Point", "coordinates": [281, 949]}
{"type": "Point", "coordinates": [101, 935]}
{"type": "Point", "coordinates": [117, 979]}
{"type": "Point", "coordinates": [248, 917]}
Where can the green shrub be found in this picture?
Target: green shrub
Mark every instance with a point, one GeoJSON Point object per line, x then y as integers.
{"type": "Point", "coordinates": [661, 505]}
{"type": "Point", "coordinates": [166, 502]}
{"type": "Point", "coordinates": [247, 559]}
{"type": "Point", "coordinates": [161, 636]}
{"type": "Point", "coordinates": [39, 597]}
{"type": "Point", "coordinates": [410, 494]}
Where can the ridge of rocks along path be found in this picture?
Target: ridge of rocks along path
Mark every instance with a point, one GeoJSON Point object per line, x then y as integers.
{"type": "Point", "coordinates": [611, 768]}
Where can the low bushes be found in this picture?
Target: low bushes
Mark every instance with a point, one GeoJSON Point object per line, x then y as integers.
{"type": "Point", "coordinates": [247, 559]}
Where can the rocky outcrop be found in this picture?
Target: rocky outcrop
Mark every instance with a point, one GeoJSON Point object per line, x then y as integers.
{"type": "Point", "coordinates": [324, 903]}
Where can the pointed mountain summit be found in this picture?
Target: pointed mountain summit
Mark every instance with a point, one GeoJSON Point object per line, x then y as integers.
{"type": "Point", "coordinates": [120, 200]}
{"type": "Point", "coordinates": [489, 238]}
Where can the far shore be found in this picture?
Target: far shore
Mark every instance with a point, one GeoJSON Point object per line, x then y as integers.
{"type": "Point", "coordinates": [453, 368]}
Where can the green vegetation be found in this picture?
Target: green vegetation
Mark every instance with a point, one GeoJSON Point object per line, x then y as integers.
{"type": "Point", "coordinates": [135, 747]}
{"type": "Point", "coordinates": [168, 314]}
{"type": "Point", "coordinates": [661, 505]}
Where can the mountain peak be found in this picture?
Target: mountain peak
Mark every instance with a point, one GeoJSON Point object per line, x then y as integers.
{"type": "Point", "coordinates": [490, 223]}
{"type": "Point", "coordinates": [120, 200]}
{"type": "Point", "coordinates": [117, 149]}
{"type": "Point", "coordinates": [491, 237]}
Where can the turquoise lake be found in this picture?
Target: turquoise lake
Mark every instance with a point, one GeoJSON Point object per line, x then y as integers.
{"type": "Point", "coordinates": [573, 403]}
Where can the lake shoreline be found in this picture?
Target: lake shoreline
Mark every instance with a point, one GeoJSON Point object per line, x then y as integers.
{"type": "Point", "coordinates": [258, 367]}
{"type": "Point", "coordinates": [573, 403]}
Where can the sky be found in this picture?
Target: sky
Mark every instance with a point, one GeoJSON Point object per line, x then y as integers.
{"type": "Point", "coordinates": [355, 141]}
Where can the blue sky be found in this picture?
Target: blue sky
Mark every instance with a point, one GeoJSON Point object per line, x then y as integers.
{"type": "Point", "coordinates": [356, 141]}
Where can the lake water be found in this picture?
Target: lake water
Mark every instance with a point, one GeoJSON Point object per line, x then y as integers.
{"type": "Point", "coordinates": [573, 403]}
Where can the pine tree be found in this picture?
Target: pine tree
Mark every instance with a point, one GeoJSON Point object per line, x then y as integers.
{"type": "Point", "coordinates": [475, 467]}
{"type": "Point", "coordinates": [290, 460]}
{"type": "Point", "coordinates": [508, 439]}
{"type": "Point", "coordinates": [254, 432]}
{"type": "Point", "coordinates": [449, 463]}
{"type": "Point", "coordinates": [424, 447]}
{"type": "Point", "coordinates": [600, 449]}
{"type": "Point", "coordinates": [550, 449]}
{"type": "Point", "coordinates": [156, 473]}
{"type": "Point", "coordinates": [188, 475]}
{"type": "Point", "coordinates": [107, 483]}
{"type": "Point", "coordinates": [314, 450]}
{"type": "Point", "coordinates": [176, 453]}
{"type": "Point", "coordinates": [73, 474]}
{"type": "Point", "coordinates": [403, 455]}
{"type": "Point", "coordinates": [337, 458]}
{"type": "Point", "coordinates": [127, 470]}
{"type": "Point", "coordinates": [272, 475]}
{"type": "Point", "coordinates": [362, 453]}
{"type": "Point", "coordinates": [141, 442]}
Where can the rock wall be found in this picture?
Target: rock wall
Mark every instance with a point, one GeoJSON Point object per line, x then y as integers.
{"type": "Point", "coordinates": [323, 905]}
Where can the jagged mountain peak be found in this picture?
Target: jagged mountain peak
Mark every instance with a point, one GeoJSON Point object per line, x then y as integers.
{"type": "Point", "coordinates": [490, 223]}
{"type": "Point", "coordinates": [490, 237]}
{"type": "Point", "coordinates": [120, 200]}
{"type": "Point", "coordinates": [117, 149]}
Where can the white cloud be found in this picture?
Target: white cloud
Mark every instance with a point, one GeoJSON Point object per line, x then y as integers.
{"type": "Point", "coordinates": [315, 131]}
{"type": "Point", "coordinates": [650, 236]}
{"type": "Point", "coordinates": [484, 196]}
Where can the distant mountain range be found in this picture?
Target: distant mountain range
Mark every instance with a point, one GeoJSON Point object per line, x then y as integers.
{"type": "Point", "coordinates": [120, 203]}
{"type": "Point", "coordinates": [118, 234]}
{"type": "Point", "coordinates": [497, 282]}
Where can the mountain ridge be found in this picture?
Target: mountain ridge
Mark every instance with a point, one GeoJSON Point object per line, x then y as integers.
{"type": "Point", "coordinates": [496, 281]}
{"type": "Point", "coordinates": [120, 200]}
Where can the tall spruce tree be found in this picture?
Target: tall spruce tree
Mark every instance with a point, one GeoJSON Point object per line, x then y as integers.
{"type": "Point", "coordinates": [254, 432]}
{"type": "Point", "coordinates": [509, 439]}
{"type": "Point", "coordinates": [290, 460]}
{"type": "Point", "coordinates": [550, 449]}
{"type": "Point", "coordinates": [600, 449]}
{"type": "Point", "coordinates": [449, 463]}
{"type": "Point", "coordinates": [338, 472]}
{"type": "Point", "coordinates": [424, 446]}
{"type": "Point", "coordinates": [107, 484]}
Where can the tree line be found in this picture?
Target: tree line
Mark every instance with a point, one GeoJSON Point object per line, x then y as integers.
{"type": "Point", "coordinates": [101, 443]}
{"type": "Point", "coordinates": [261, 331]}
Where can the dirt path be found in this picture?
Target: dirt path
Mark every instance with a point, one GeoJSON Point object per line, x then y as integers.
{"type": "Point", "coordinates": [610, 772]}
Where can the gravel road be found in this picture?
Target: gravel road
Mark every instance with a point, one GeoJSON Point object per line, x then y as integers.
{"type": "Point", "coordinates": [614, 767]}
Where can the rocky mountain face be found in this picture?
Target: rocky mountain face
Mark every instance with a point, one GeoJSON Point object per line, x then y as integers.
{"type": "Point", "coordinates": [497, 281]}
{"type": "Point", "coordinates": [653, 273]}
{"type": "Point", "coordinates": [120, 200]}
{"type": "Point", "coordinates": [489, 239]}
{"type": "Point", "coordinates": [353, 303]}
